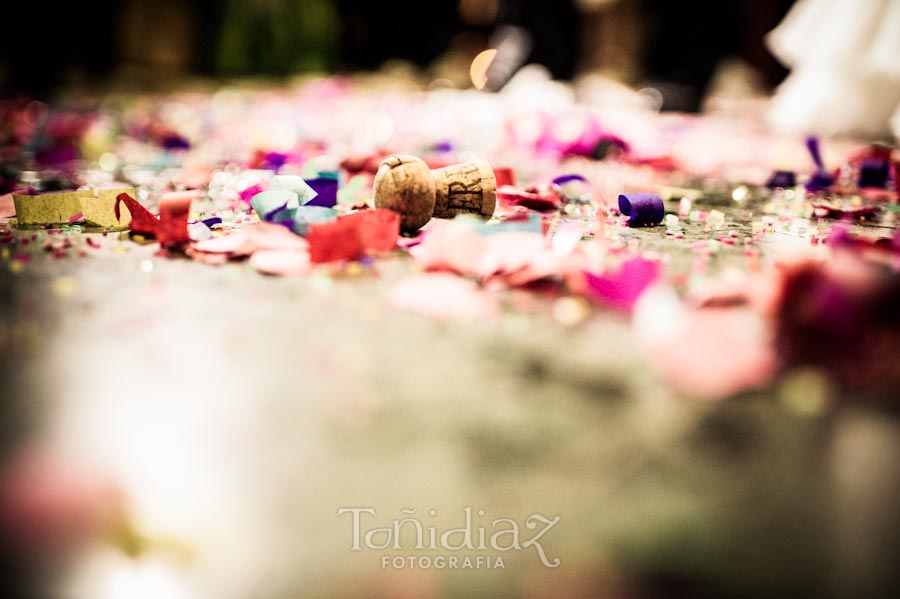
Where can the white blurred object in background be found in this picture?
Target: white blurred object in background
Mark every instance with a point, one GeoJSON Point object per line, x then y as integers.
{"type": "Point", "coordinates": [845, 76]}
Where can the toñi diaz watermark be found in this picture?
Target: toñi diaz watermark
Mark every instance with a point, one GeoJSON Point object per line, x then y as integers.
{"type": "Point", "coordinates": [499, 535]}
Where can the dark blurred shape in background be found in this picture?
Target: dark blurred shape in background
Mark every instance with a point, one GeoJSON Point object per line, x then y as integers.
{"type": "Point", "coordinates": [686, 42]}
{"type": "Point", "coordinates": [674, 46]}
{"type": "Point", "coordinates": [373, 32]}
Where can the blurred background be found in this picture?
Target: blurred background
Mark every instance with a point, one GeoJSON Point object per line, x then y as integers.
{"type": "Point", "coordinates": [176, 430]}
{"type": "Point", "coordinates": [151, 43]}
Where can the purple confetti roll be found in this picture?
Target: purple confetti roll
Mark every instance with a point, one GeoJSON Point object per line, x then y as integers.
{"type": "Point", "coordinates": [642, 209]}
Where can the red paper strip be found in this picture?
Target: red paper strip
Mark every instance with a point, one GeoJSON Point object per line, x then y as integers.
{"type": "Point", "coordinates": [335, 240]}
{"type": "Point", "coordinates": [348, 237]}
{"type": "Point", "coordinates": [141, 219]}
{"type": "Point", "coordinates": [504, 176]}
{"type": "Point", "coordinates": [173, 216]}
{"type": "Point", "coordinates": [378, 229]}
{"type": "Point", "coordinates": [171, 227]}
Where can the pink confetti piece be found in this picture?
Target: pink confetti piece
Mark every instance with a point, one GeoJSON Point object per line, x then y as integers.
{"type": "Point", "coordinates": [7, 206]}
{"type": "Point", "coordinates": [444, 296]}
{"type": "Point", "coordinates": [622, 289]}
{"type": "Point", "coordinates": [248, 193]}
{"type": "Point", "coordinates": [510, 252]}
{"type": "Point", "coordinates": [715, 353]}
{"type": "Point", "coordinates": [250, 239]}
{"type": "Point", "coordinates": [281, 262]}
{"type": "Point", "coordinates": [449, 245]}
{"type": "Point", "coordinates": [76, 218]}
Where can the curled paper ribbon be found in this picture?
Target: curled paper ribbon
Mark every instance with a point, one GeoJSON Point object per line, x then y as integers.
{"type": "Point", "coordinates": [288, 192]}
{"type": "Point", "coordinates": [642, 209]}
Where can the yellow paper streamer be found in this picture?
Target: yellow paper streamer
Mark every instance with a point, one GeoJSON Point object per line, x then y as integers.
{"type": "Point", "coordinates": [96, 205]}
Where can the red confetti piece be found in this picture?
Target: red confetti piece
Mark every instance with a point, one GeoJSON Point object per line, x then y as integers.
{"type": "Point", "coordinates": [171, 227]}
{"type": "Point", "coordinates": [76, 217]}
{"type": "Point", "coordinates": [532, 197]}
{"type": "Point", "coordinates": [504, 176]}
{"type": "Point", "coordinates": [350, 236]}
{"type": "Point", "coordinates": [378, 229]}
{"type": "Point", "coordinates": [335, 240]}
{"type": "Point", "coordinates": [173, 216]}
{"type": "Point", "coordinates": [141, 219]}
{"type": "Point", "coordinates": [91, 242]}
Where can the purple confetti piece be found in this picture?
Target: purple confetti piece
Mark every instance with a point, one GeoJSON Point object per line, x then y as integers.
{"type": "Point", "coordinates": [56, 157]}
{"type": "Point", "coordinates": [326, 188]}
{"type": "Point", "coordinates": [270, 216]}
{"type": "Point", "coordinates": [812, 144]}
{"type": "Point", "coordinates": [274, 160]}
{"type": "Point", "coordinates": [209, 222]}
{"type": "Point", "coordinates": [782, 179]}
{"type": "Point", "coordinates": [873, 173]}
{"type": "Point", "coordinates": [442, 147]}
{"type": "Point", "coordinates": [174, 141]}
{"type": "Point", "coordinates": [820, 179]}
{"type": "Point", "coordinates": [642, 209]}
{"type": "Point", "coordinates": [562, 179]}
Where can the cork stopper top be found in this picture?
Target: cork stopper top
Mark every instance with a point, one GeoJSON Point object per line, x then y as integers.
{"type": "Point", "coordinates": [405, 185]}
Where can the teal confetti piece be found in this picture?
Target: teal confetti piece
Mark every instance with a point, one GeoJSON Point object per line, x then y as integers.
{"type": "Point", "coordinates": [306, 215]}
{"type": "Point", "coordinates": [532, 224]}
{"type": "Point", "coordinates": [293, 183]}
{"type": "Point", "coordinates": [266, 201]}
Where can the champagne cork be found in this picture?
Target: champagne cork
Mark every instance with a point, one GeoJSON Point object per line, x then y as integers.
{"type": "Point", "coordinates": [405, 185]}
{"type": "Point", "coordinates": [466, 188]}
